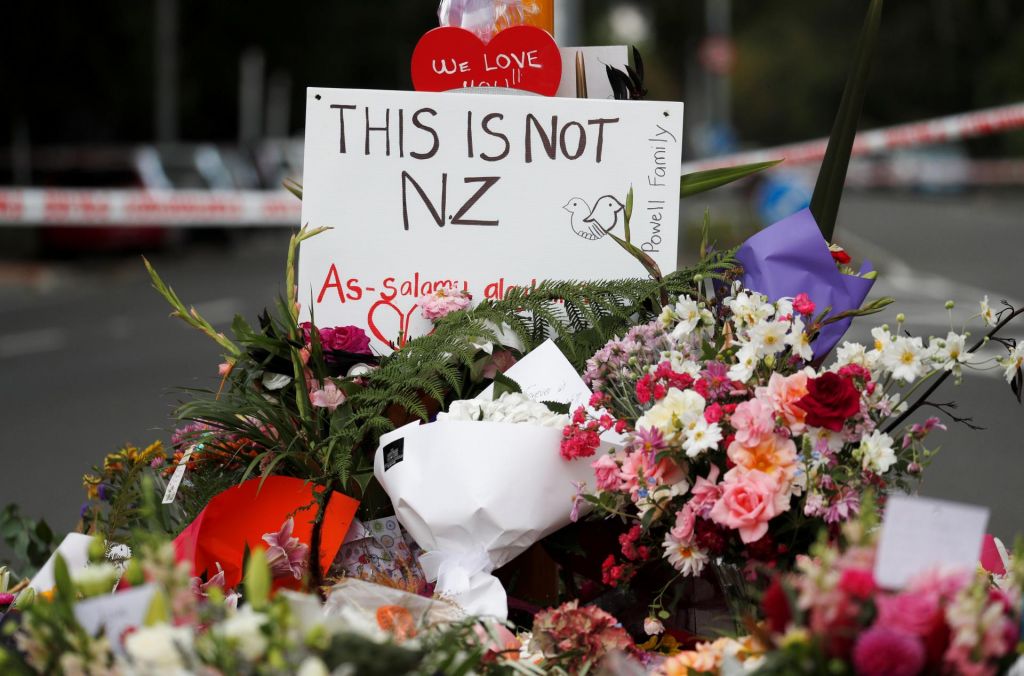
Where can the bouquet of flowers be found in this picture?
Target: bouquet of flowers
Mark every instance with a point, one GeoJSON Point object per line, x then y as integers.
{"type": "Point", "coordinates": [483, 482]}
{"type": "Point", "coordinates": [829, 614]}
{"type": "Point", "coordinates": [741, 446]}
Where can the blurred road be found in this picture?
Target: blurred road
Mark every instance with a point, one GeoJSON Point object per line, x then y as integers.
{"type": "Point", "coordinates": [89, 359]}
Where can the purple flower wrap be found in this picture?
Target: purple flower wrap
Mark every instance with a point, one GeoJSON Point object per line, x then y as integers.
{"type": "Point", "coordinates": [791, 257]}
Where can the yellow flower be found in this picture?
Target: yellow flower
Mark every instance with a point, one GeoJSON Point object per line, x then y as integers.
{"type": "Point", "coordinates": [91, 483]}
{"type": "Point", "coordinates": [155, 448]}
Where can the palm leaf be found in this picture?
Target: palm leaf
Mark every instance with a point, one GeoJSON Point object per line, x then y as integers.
{"type": "Point", "coordinates": [828, 191]}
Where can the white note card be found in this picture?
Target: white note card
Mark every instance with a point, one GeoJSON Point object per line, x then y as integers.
{"type": "Point", "coordinates": [919, 534]}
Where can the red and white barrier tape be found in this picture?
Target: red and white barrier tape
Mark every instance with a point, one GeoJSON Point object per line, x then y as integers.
{"type": "Point", "coordinates": [937, 130]}
{"type": "Point", "coordinates": [184, 208]}
{"type": "Point", "coordinates": [180, 208]}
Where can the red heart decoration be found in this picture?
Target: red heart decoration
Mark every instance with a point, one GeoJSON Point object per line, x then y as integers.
{"type": "Point", "coordinates": [403, 323]}
{"type": "Point", "coordinates": [521, 57]}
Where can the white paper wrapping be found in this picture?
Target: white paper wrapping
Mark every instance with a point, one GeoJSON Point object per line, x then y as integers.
{"type": "Point", "coordinates": [474, 495]}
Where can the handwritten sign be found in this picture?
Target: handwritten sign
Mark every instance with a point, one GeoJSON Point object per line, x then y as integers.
{"type": "Point", "coordinates": [521, 57]}
{"type": "Point", "coordinates": [480, 193]}
{"type": "Point", "coordinates": [919, 534]}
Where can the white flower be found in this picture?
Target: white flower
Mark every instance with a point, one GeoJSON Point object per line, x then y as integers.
{"type": "Point", "coordinates": [244, 630]}
{"type": "Point", "coordinates": [853, 353]}
{"type": "Point", "coordinates": [904, 358]}
{"type": "Point", "coordinates": [952, 352]}
{"type": "Point", "coordinates": [768, 337]}
{"type": "Point", "coordinates": [275, 381]}
{"type": "Point", "coordinates": [987, 315]}
{"type": "Point", "coordinates": [824, 439]}
{"type": "Point", "coordinates": [784, 308]}
{"type": "Point", "coordinates": [653, 626]}
{"type": "Point", "coordinates": [510, 407]}
{"type": "Point", "coordinates": [95, 579]}
{"type": "Point", "coordinates": [312, 666]}
{"type": "Point", "coordinates": [685, 558]}
{"type": "Point", "coordinates": [701, 436]}
{"type": "Point", "coordinates": [882, 337]}
{"type": "Point", "coordinates": [158, 649]}
{"type": "Point", "coordinates": [750, 308]}
{"type": "Point", "coordinates": [680, 363]}
{"type": "Point", "coordinates": [746, 362]}
{"type": "Point", "coordinates": [799, 341]}
{"type": "Point", "coordinates": [674, 412]}
{"type": "Point", "coordinates": [1013, 362]}
{"type": "Point", "coordinates": [687, 314]}
{"type": "Point", "coordinates": [463, 409]}
{"type": "Point", "coordinates": [876, 452]}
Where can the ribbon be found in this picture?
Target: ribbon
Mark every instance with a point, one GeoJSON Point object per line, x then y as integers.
{"type": "Point", "coordinates": [454, 570]}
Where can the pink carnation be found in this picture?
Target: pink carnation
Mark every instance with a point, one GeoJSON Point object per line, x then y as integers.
{"type": "Point", "coordinates": [916, 613]}
{"type": "Point", "coordinates": [803, 304]}
{"type": "Point", "coordinates": [445, 301]}
{"type": "Point", "coordinates": [750, 499]}
{"type": "Point", "coordinates": [328, 396]}
{"type": "Point", "coordinates": [753, 420]}
{"type": "Point", "coordinates": [888, 652]}
{"type": "Point", "coordinates": [606, 472]}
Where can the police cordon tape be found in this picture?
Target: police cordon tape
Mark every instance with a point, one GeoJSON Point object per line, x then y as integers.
{"type": "Point", "coordinates": [245, 208]}
{"type": "Point", "coordinates": [177, 208]}
{"type": "Point", "coordinates": [937, 130]}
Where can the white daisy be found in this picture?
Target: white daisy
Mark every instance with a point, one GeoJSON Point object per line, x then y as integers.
{"type": "Point", "coordinates": [905, 358]}
{"type": "Point", "coordinates": [952, 352]}
{"type": "Point", "coordinates": [852, 353]}
{"type": "Point", "coordinates": [701, 436]}
{"type": "Point", "coordinates": [768, 337]}
{"type": "Point", "coordinates": [746, 362]}
{"type": "Point", "coordinates": [750, 308]}
{"type": "Point", "coordinates": [685, 558]}
{"type": "Point", "coordinates": [688, 315]}
{"type": "Point", "coordinates": [799, 341]}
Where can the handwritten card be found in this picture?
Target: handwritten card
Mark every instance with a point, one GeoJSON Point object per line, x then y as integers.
{"type": "Point", "coordinates": [919, 534]}
{"type": "Point", "coordinates": [483, 193]}
{"type": "Point", "coordinates": [115, 613]}
{"type": "Point", "coordinates": [546, 375]}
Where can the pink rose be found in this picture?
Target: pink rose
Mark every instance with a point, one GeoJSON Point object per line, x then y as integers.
{"type": "Point", "coordinates": [639, 471]}
{"type": "Point", "coordinates": [706, 492]}
{"type": "Point", "coordinates": [753, 421]}
{"type": "Point", "coordinates": [685, 520]}
{"type": "Point", "coordinates": [858, 583]}
{"type": "Point", "coordinates": [913, 612]}
{"type": "Point", "coordinates": [782, 393]}
{"type": "Point", "coordinates": [773, 455]}
{"type": "Point", "coordinates": [606, 472]}
{"type": "Point", "coordinates": [750, 499]}
{"type": "Point", "coordinates": [888, 652]}
{"type": "Point", "coordinates": [340, 338]}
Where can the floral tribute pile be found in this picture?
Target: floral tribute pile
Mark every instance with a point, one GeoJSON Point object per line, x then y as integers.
{"type": "Point", "coordinates": [693, 492]}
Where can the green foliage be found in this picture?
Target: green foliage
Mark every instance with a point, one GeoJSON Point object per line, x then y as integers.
{"type": "Point", "coordinates": [828, 191]}
{"type": "Point", "coordinates": [30, 540]}
{"type": "Point", "coordinates": [702, 181]}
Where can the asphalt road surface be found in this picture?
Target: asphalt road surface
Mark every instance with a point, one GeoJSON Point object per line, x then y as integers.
{"type": "Point", "coordinates": [89, 359]}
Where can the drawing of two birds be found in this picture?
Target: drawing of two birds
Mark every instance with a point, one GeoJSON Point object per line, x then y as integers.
{"type": "Point", "coordinates": [593, 224]}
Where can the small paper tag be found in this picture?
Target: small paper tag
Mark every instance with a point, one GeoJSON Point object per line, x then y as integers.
{"type": "Point", "coordinates": [179, 474]}
{"type": "Point", "coordinates": [115, 614]}
{"type": "Point", "coordinates": [919, 534]}
{"type": "Point", "coordinates": [394, 453]}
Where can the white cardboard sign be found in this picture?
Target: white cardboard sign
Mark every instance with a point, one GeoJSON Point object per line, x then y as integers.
{"type": "Point", "coordinates": [475, 192]}
{"type": "Point", "coordinates": [922, 533]}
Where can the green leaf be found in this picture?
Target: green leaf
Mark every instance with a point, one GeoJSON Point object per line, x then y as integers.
{"type": "Point", "coordinates": [503, 384]}
{"type": "Point", "coordinates": [702, 181]}
{"type": "Point", "coordinates": [292, 186]}
{"type": "Point", "coordinates": [828, 191]}
{"type": "Point", "coordinates": [557, 407]}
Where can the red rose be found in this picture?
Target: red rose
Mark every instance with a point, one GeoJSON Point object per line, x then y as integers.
{"type": "Point", "coordinates": [830, 401]}
{"type": "Point", "coordinates": [840, 256]}
{"type": "Point", "coordinates": [775, 605]}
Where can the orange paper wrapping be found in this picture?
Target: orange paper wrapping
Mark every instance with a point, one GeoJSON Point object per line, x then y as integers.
{"type": "Point", "coordinates": [241, 515]}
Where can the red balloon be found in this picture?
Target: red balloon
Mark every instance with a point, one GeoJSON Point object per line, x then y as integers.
{"type": "Point", "coordinates": [521, 57]}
